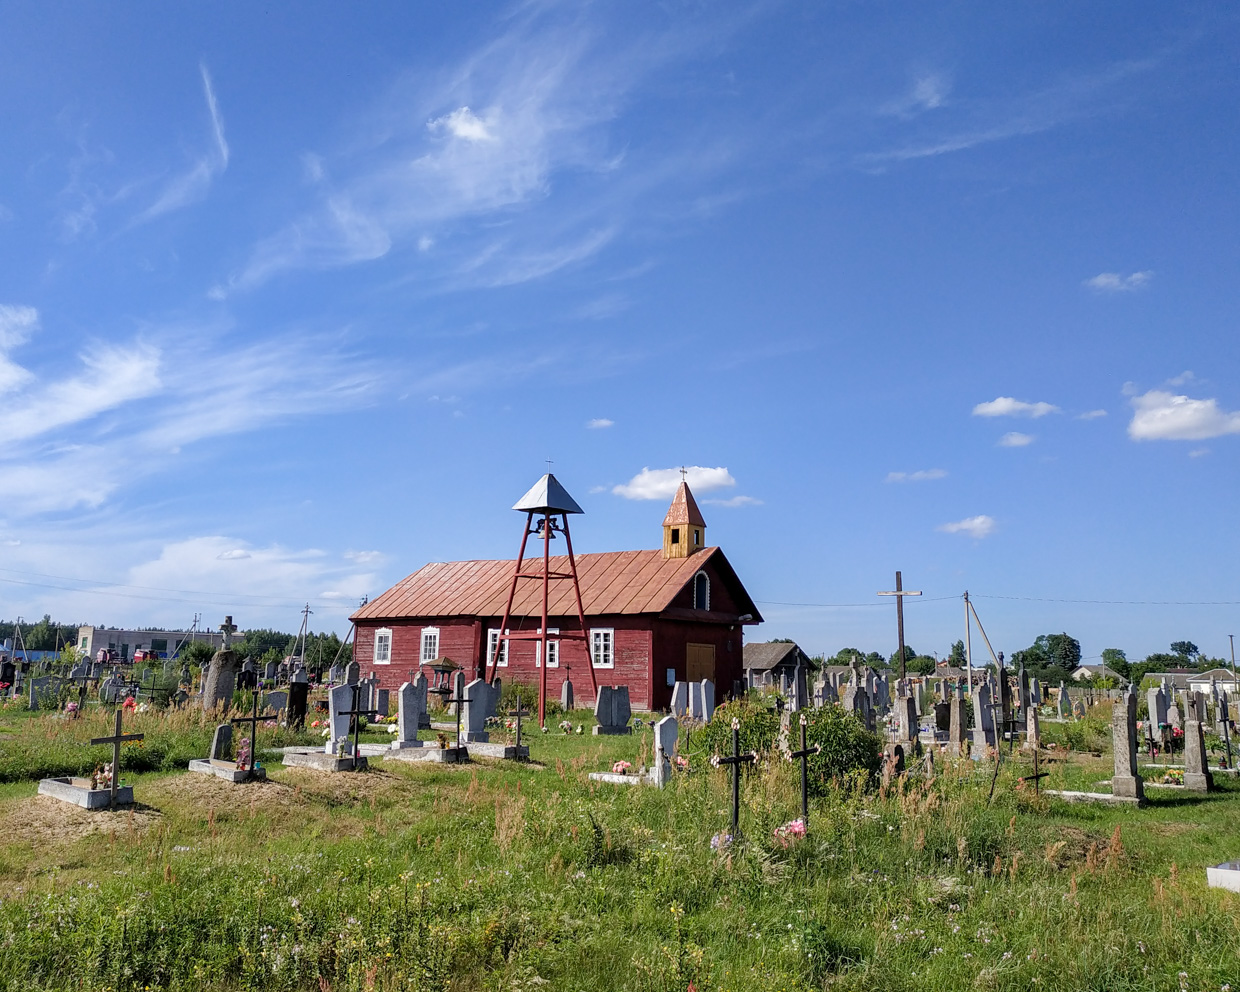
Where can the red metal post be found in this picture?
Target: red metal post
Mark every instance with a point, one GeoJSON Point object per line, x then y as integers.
{"type": "Point", "coordinates": [581, 613]}
{"type": "Point", "coordinates": [512, 591]}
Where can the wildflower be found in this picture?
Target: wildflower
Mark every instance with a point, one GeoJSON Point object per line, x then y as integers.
{"type": "Point", "coordinates": [721, 841]}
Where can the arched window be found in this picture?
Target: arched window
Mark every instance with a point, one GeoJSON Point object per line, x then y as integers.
{"type": "Point", "coordinates": [701, 591]}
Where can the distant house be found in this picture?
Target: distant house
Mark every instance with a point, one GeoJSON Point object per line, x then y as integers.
{"type": "Point", "coordinates": [945, 671]}
{"type": "Point", "coordinates": [776, 663]}
{"type": "Point", "coordinates": [1176, 679]}
{"type": "Point", "coordinates": [1224, 678]}
{"type": "Point", "coordinates": [1086, 672]}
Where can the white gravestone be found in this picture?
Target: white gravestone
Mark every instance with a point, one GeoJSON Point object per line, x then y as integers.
{"type": "Point", "coordinates": [666, 732]}
{"type": "Point", "coordinates": [339, 700]}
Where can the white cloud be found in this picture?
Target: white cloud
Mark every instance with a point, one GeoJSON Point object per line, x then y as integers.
{"type": "Point", "coordinates": [735, 501]}
{"type": "Point", "coordinates": [1183, 379]}
{"type": "Point", "coordinates": [1162, 416]}
{"type": "Point", "coordinates": [1198, 452]}
{"type": "Point", "coordinates": [1015, 439]}
{"type": "Point", "coordinates": [1006, 406]}
{"type": "Point", "coordinates": [364, 557]}
{"type": "Point", "coordinates": [464, 124]}
{"type": "Point", "coordinates": [661, 483]}
{"type": "Point", "coordinates": [17, 323]}
{"type": "Point", "coordinates": [193, 184]}
{"type": "Point", "coordinates": [236, 554]}
{"type": "Point", "coordinates": [922, 475]}
{"type": "Point", "coordinates": [1091, 415]}
{"type": "Point", "coordinates": [928, 92]}
{"type": "Point", "coordinates": [977, 527]}
{"type": "Point", "coordinates": [598, 423]}
{"type": "Point", "coordinates": [1115, 282]}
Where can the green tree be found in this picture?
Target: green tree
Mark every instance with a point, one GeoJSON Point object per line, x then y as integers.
{"type": "Point", "coordinates": [1185, 649]}
{"type": "Point", "coordinates": [196, 653]}
{"type": "Point", "coordinates": [257, 643]}
{"type": "Point", "coordinates": [921, 665]}
{"type": "Point", "coordinates": [957, 656]}
{"type": "Point", "coordinates": [1117, 661]}
{"type": "Point", "coordinates": [1051, 656]}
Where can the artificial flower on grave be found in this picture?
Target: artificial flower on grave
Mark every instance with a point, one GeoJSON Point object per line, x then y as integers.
{"type": "Point", "coordinates": [621, 768]}
{"type": "Point", "coordinates": [566, 726]}
{"type": "Point", "coordinates": [682, 763]}
{"type": "Point", "coordinates": [129, 704]}
{"type": "Point", "coordinates": [71, 708]}
{"type": "Point", "coordinates": [790, 832]}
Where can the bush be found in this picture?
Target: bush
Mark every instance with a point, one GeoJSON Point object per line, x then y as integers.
{"type": "Point", "coordinates": [846, 745]}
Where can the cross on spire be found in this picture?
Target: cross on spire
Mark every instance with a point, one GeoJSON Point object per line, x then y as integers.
{"type": "Point", "coordinates": [684, 472]}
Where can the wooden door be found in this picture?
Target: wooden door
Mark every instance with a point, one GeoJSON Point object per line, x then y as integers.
{"type": "Point", "coordinates": [700, 662]}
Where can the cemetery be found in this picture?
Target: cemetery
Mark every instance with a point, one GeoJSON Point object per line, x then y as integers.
{"type": "Point", "coordinates": [867, 831]}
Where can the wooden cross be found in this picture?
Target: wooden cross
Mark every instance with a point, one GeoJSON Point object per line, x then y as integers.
{"type": "Point", "coordinates": [116, 740]}
{"type": "Point", "coordinates": [804, 754]}
{"type": "Point", "coordinates": [735, 761]}
{"type": "Point", "coordinates": [519, 712]}
{"type": "Point", "coordinates": [252, 720]}
{"type": "Point", "coordinates": [460, 702]}
{"type": "Point", "coordinates": [358, 711]}
{"type": "Point", "coordinates": [900, 592]}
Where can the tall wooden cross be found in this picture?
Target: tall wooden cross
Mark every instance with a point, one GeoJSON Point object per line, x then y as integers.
{"type": "Point", "coordinates": [900, 592]}
{"type": "Point", "coordinates": [356, 712]}
{"type": "Point", "coordinates": [252, 720]}
{"type": "Point", "coordinates": [519, 712]}
{"type": "Point", "coordinates": [804, 754]}
{"type": "Point", "coordinates": [736, 760]}
{"type": "Point", "coordinates": [116, 740]}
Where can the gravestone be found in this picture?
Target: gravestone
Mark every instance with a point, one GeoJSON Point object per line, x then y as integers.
{"type": "Point", "coordinates": [696, 707]}
{"type": "Point", "coordinates": [1033, 728]}
{"type": "Point", "coordinates": [566, 695]}
{"type": "Point", "coordinates": [110, 690]}
{"type": "Point", "coordinates": [383, 701]}
{"type": "Point", "coordinates": [666, 732]}
{"type": "Point", "coordinates": [680, 699]}
{"type": "Point", "coordinates": [269, 670]}
{"type": "Point", "coordinates": [298, 703]}
{"type": "Point", "coordinates": [1035, 691]}
{"type": "Point", "coordinates": [146, 676]}
{"type": "Point", "coordinates": [276, 702]}
{"type": "Point", "coordinates": [336, 674]}
{"type": "Point", "coordinates": [299, 675]}
{"type": "Point", "coordinates": [1197, 777]}
{"type": "Point", "coordinates": [221, 742]}
{"type": "Point", "coordinates": [1078, 709]}
{"type": "Point", "coordinates": [420, 686]}
{"type": "Point", "coordinates": [339, 700]}
{"type": "Point", "coordinates": [983, 717]}
{"type": "Point", "coordinates": [708, 700]}
{"type": "Point", "coordinates": [1157, 702]}
{"type": "Point", "coordinates": [1126, 782]}
{"type": "Point", "coordinates": [612, 711]}
{"type": "Point", "coordinates": [410, 707]}
{"type": "Point", "coordinates": [957, 724]}
{"type": "Point", "coordinates": [352, 673]}
{"type": "Point", "coordinates": [906, 716]}
{"type": "Point", "coordinates": [220, 681]}
{"type": "Point", "coordinates": [942, 717]}
{"type": "Point", "coordinates": [1063, 705]}
{"type": "Point", "coordinates": [477, 707]}
{"type": "Point", "coordinates": [80, 670]}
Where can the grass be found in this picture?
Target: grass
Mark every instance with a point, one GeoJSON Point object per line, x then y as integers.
{"type": "Point", "coordinates": [499, 876]}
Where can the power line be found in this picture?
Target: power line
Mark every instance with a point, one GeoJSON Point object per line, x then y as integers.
{"type": "Point", "coordinates": [840, 606]}
{"type": "Point", "coordinates": [1110, 602]}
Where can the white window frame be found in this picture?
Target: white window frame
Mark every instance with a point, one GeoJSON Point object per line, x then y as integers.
{"type": "Point", "coordinates": [383, 636]}
{"type": "Point", "coordinates": [492, 640]}
{"type": "Point", "coordinates": [427, 634]}
{"type": "Point", "coordinates": [603, 647]}
{"type": "Point", "coordinates": [553, 649]}
{"type": "Point", "coordinates": [701, 575]}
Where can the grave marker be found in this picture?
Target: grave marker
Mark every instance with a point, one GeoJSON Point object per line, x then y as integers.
{"type": "Point", "coordinates": [735, 761]}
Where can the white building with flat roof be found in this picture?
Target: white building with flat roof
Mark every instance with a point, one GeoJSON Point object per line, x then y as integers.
{"type": "Point", "coordinates": [164, 643]}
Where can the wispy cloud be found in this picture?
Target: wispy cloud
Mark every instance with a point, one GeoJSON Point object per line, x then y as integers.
{"type": "Point", "coordinates": [928, 92]}
{"type": "Point", "coordinates": [735, 501]}
{"type": "Point", "coordinates": [599, 423]}
{"type": "Point", "coordinates": [1162, 416]}
{"type": "Point", "coordinates": [192, 185]}
{"type": "Point", "coordinates": [1091, 415]}
{"type": "Point", "coordinates": [662, 483]}
{"type": "Point", "coordinates": [1006, 406]}
{"type": "Point", "coordinates": [922, 475]}
{"type": "Point", "coordinates": [1183, 379]}
{"type": "Point", "coordinates": [1115, 282]}
{"type": "Point", "coordinates": [1015, 439]}
{"type": "Point", "coordinates": [976, 527]}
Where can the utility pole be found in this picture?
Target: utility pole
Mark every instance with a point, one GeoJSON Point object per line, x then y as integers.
{"type": "Point", "coordinates": [899, 593]}
{"type": "Point", "coordinates": [968, 640]}
{"type": "Point", "coordinates": [1234, 685]}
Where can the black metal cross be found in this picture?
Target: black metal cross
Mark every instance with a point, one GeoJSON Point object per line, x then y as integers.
{"type": "Point", "coordinates": [460, 702]}
{"type": "Point", "coordinates": [1037, 776]}
{"type": "Point", "coordinates": [252, 720]}
{"type": "Point", "coordinates": [519, 712]}
{"type": "Point", "coordinates": [357, 711]}
{"type": "Point", "coordinates": [735, 761]}
{"type": "Point", "coordinates": [116, 740]}
{"type": "Point", "coordinates": [804, 754]}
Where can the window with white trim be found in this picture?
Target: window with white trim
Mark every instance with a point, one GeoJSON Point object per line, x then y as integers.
{"type": "Point", "coordinates": [701, 591]}
{"type": "Point", "coordinates": [603, 648]}
{"type": "Point", "coordinates": [492, 640]}
{"type": "Point", "coordinates": [383, 646]}
{"type": "Point", "coordinates": [430, 644]}
{"type": "Point", "coordinates": [553, 650]}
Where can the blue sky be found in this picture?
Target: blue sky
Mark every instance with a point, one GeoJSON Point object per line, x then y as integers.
{"type": "Point", "coordinates": [295, 299]}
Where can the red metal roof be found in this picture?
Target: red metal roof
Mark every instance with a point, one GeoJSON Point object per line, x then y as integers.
{"type": "Point", "coordinates": [612, 582]}
{"type": "Point", "coordinates": [684, 509]}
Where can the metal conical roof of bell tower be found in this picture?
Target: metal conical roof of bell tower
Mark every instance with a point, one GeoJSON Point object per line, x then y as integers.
{"type": "Point", "coordinates": [547, 496]}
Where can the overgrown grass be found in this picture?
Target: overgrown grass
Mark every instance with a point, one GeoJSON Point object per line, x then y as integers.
{"type": "Point", "coordinates": [506, 877]}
